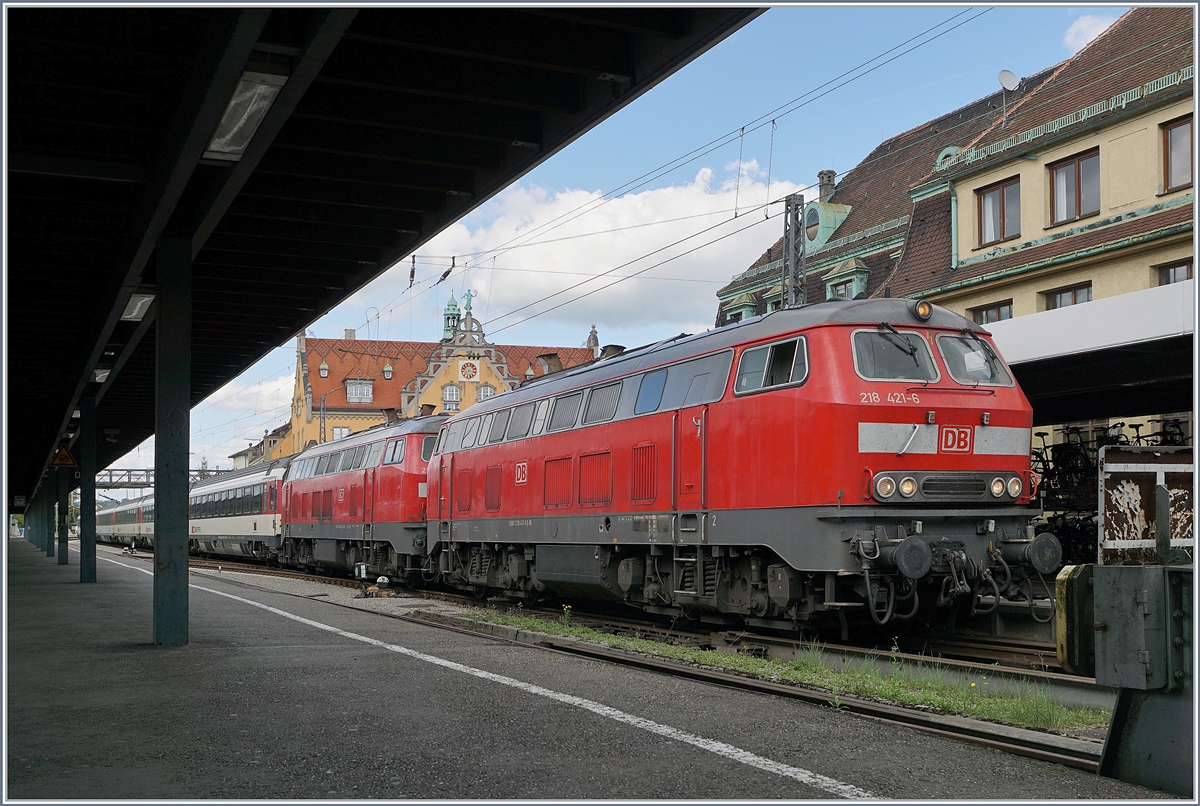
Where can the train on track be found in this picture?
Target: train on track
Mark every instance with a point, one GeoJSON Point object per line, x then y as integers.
{"type": "Point", "coordinates": [845, 461]}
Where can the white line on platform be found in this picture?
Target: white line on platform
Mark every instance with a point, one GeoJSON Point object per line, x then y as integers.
{"type": "Point", "coordinates": [831, 785]}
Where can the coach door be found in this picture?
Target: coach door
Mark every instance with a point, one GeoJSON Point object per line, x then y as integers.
{"type": "Point", "coordinates": [691, 441]}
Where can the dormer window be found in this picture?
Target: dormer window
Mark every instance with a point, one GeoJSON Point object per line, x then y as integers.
{"type": "Point", "coordinates": [323, 369]}
{"type": "Point", "coordinates": [812, 223]}
{"type": "Point", "coordinates": [387, 372]}
{"type": "Point", "coordinates": [359, 391]}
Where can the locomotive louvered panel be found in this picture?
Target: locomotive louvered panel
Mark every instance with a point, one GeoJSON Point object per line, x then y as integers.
{"type": "Point", "coordinates": [317, 512]}
{"type": "Point", "coordinates": [595, 478]}
{"type": "Point", "coordinates": [558, 482]}
{"type": "Point", "coordinates": [352, 501]}
{"type": "Point", "coordinates": [953, 487]}
{"type": "Point", "coordinates": [462, 490]}
{"type": "Point", "coordinates": [492, 488]}
{"type": "Point", "coordinates": [327, 505]}
{"type": "Point", "coordinates": [602, 403]}
{"type": "Point", "coordinates": [645, 473]}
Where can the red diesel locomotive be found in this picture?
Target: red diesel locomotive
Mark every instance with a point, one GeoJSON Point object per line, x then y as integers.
{"type": "Point", "coordinates": [842, 459]}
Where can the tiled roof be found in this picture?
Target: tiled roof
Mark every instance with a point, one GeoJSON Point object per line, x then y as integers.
{"type": "Point", "coordinates": [359, 358]}
{"type": "Point", "coordinates": [920, 281]}
{"type": "Point", "coordinates": [1143, 46]}
{"type": "Point", "coordinates": [927, 249]}
{"type": "Point", "coordinates": [877, 188]}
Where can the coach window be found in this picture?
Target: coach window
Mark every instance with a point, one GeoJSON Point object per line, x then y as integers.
{"type": "Point", "coordinates": [892, 355]}
{"type": "Point", "coordinates": [566, 411]}
{"type": "Point", "coordinates": [602, 403]}
{"type": "Point", "coordinates": [522, 417]}
{"type": "Point", "coordinates": [469, 436]}
{"type": "Point", "coordinates": [395, 452]}
{"type": "Point", "coordinates": [498, 425]}
{"type": "Point", "coordinates": [650, 391]}
{"type": "Point", "coordinates": [539, 416]}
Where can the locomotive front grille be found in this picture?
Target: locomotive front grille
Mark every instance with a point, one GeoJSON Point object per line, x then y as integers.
{"type": "Point", "coordinates": [960, 487]}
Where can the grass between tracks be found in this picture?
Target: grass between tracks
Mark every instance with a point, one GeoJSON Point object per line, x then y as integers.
{"type": "Point", "coordinates": [924, 687]}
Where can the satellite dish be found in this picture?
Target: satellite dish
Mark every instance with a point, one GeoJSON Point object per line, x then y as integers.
{"type": "Point", "coordinates": [1009, 80]}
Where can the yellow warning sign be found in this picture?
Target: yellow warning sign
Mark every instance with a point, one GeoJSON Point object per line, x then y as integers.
{"type": "Point", "coordinates": [64, 458]}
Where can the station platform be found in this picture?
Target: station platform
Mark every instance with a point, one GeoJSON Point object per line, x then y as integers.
{"type": "Point", "coordinates": [283, 696]}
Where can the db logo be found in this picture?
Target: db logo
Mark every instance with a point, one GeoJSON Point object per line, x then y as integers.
{"type": "Point", "coordinates": [522, 472]}
{"type": "Point", "coordinates": [955, 439]}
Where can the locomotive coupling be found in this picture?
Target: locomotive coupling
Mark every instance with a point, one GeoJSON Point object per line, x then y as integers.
{"type": "Point", "coordinates": [1043, 552]}
{"type": "Point", "coordinates": [908, 554]}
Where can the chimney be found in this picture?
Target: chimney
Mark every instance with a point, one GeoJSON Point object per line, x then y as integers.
{"type": "Point", "coordinates": [392, 415]}
{"type": "Point", "coordinates": [427, 409]}
{"type": "Point", "coordinates": [349, 334]}
{"type": "Point", "coordinates": [550, 362]}
{"type": "Point", "coordinates": [611, 350]}
{"type": "Point", "coordinates": [825, 184]}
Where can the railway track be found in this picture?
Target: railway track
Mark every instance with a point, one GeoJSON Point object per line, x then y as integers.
{"type": "Point", "coordinates": [1075, 753]}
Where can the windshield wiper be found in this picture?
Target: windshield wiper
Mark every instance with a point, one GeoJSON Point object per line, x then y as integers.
{"type": "Point", "coordinates": [908, 347]}
{"type": "Point", "coordinates": [988, 355]}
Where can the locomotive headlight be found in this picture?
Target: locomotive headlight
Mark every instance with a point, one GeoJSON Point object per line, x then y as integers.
{"type": "Point", "coordinates": [997, 487]}
{"type": "Point", "coordinates": [908, 486]}
{"type": "Point", "coordinates": [1014, 487]}
{"type": "Point", "coordinates": [924, 310]}
{"type": "Point", "coordinates": [885, 486]}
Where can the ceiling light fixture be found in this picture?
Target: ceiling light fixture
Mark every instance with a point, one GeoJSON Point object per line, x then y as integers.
{"type": "Point", "coordinates": [257, 89]}
{"type": "Point", "coordinates": [136, 308]}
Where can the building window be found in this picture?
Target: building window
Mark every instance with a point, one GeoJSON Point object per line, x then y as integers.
{"type": "Point", "coordinates": [1175, 274]}
{"type": "Point", "coordinates": [1177, 154]}
{"type": "Point", "coordinates": [992, 313]}
{"type": "Point", "coordinates": [359, 391]}
{"type": "Point", "coordinates": [484, 392]}
{"type": "Point", "coordinates": [844, 290]}
{"type": "Point", "coordinates": [451, 397]}
{"type": "Point", "coordinates": [999, 208]}
{"type": "Point", "coordinates": [1075, 187]}
{"type": "Point", "coordinates": [340, 432]}
{"type": "Point", "coordinates": [1068, 296]}
{"type": "Point", "coordinates": [735, 317]}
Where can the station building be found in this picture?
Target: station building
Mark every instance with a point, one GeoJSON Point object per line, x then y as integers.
{"type": "Point", "coordinates": [347, 385]}
{"type": "Point", "coordinates": [1075, 187]}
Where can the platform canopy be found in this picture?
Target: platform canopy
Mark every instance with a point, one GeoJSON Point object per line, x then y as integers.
{"type": "Point", "coordinates": [1123, 356]}
{"type": "Point", "coordinates": [302, 151]}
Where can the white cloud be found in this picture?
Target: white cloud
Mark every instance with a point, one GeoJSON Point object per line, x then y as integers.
{"type": "Point", "coordinates": [1085, 29]}
{"type": "Point", "coordinates": [689, 228]}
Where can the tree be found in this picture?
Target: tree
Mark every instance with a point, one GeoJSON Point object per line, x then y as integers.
{"type": "Point", "coordinates": [204, 469]}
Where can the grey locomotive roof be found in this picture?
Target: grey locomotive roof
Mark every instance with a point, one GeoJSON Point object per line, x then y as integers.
{"type": "Point", "coordinates": [416, 425]}
{"type": "Point", "coordinates": [866, 311]}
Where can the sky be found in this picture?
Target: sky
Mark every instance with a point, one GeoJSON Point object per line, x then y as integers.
{"type": "Point", "coordinates": [653, 199]}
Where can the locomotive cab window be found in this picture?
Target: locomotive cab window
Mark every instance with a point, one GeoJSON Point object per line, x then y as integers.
{"type": "Point", "coordinates": [427, 447]}
{"type": "Point", "coordinates": [972, 361]}
{"type": "Point", "coordinates": [893, 355]}
{"type": "Point", "coordinates": [773, 365]}
{"type": "Point", "coordinates": [395, 452]}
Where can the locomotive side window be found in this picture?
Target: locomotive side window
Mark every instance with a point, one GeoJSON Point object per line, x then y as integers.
{"type": "Point", "coordinates": [972, 361]}
{"type": "Point", "coordinates": [522, 418]}
{"type": "Point", "coordinates": [395, 452]}
{"type": "Point", "coordinates": [680, 379]}
{"type": "Point", "coordinates": [695, 392]}
{"type": "Point", "coordinates": [349, 457]}
{"type": "Point", "coordinates": [373, 455]}
{"type": "Point", "coordinates": [566, 410]}
{"type": "Point", "coordinates": [539, 417]}
{"type": "Point", "coordinates": [650, 392]}
{"type": "Point", "coordinates": [499, 425]}
{"type": "Point", "coordinates": [469, 435]}
{"type": "Point", "coordinates": [773, 365]}
{"type": "Point", "coordinates": [884, 355]}
{"type": "Point", "coordinates": [602, 403]}
{"type": "Point", "coordinates": [441, 441]}
{"type": "Point", "coordinates": [453, 440]}
{"type": "Point", "coordinates": [322, 464]}
{"type": "Point", "coordinates": [427, 447]}
{"type": "Point", "coordinates": [484, 427]}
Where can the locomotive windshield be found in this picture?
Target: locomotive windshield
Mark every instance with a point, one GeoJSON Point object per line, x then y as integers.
{"type": "Point", "coordinates": [886, 355]}
{"type": "Point", "coordinates": [971, 360]}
